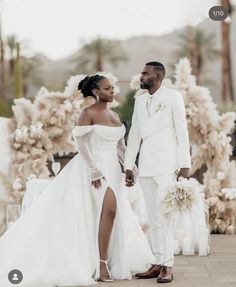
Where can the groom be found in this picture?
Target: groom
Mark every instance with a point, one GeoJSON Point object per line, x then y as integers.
{"type": "Point", "coordinates": [159, 125]}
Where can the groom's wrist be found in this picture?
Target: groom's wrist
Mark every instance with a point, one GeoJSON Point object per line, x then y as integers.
{"type": "Point", "coordinates": [129, 173]}
{"type": "Point", "coordinates": [184, 172]}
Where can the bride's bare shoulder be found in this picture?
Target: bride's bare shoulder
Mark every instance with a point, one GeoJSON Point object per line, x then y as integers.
{"type": "Point", "coordinates": [86, 116]}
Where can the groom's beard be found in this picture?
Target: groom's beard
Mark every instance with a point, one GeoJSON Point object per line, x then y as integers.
{"type": "Point", "coordinates": [145, 86]}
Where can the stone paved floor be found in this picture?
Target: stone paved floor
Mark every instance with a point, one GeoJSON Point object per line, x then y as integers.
{"type": "Point", "coordinates": [216, 270]}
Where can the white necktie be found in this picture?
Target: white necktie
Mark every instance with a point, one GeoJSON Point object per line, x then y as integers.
{"type": "Point", "coordinates": [149, 103]}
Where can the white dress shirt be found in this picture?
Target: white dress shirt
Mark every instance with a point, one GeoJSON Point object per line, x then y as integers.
{"type": "Point", "coordinates": [151, 98]}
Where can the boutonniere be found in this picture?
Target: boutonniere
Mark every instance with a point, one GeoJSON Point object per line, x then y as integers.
{"type": "Point", "coordinates": [160, 106]}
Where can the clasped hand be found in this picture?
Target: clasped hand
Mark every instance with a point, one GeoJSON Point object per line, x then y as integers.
{"type": "Point", "coordinates": [97, 183]}
{"type": "Point", "coordinates": [183, 172]}
{"type": "Point", "coordinates": [129, 178]}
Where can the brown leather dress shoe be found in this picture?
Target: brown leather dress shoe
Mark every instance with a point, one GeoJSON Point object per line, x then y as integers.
{"type": "Point", "coordinates": [165, 275]}
{"type": "Point", "coordinates": [152, 272]}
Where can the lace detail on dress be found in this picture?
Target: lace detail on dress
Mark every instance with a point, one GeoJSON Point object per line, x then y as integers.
{"type": "Point", "coordinates": [81, 143]}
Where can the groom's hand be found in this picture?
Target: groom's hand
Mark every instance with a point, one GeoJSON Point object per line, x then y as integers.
{"type": "Point", "coordinates": [129, 177]}
{"type": "Point", "coordinates": [97, 183]}
{"type": "Point", "coordinates": [183, 172]}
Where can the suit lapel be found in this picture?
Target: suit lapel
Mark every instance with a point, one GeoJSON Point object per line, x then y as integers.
{"type": "Point", "coordinates": [150, 123]}
{"type": "Point", "coordinates": [144, 111]}
{"type": "Point", "coordinates": [156, 104]}
{"type": "Point", "coordinates": [145, 120]}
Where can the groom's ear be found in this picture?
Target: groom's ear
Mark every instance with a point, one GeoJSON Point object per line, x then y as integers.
{"type": "Point", "coordinates": [161, 76]}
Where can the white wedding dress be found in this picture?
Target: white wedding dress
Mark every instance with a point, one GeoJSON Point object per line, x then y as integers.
{"type": "Point", "coordinates": [55, 241]}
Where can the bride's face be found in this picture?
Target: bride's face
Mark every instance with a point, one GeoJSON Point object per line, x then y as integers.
{"type": "Point", "coordinates": [105, 91]}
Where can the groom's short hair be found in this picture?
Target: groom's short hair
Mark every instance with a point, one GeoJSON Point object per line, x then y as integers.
{"type": "Point", "coordinates": [159, 67]}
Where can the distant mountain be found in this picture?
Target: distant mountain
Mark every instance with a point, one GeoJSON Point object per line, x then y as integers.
{"type": "Point", "coordinates": [143, 49]}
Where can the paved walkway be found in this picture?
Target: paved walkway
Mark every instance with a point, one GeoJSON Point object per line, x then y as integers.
{"type": "Point", "coordinates": [216, 270]}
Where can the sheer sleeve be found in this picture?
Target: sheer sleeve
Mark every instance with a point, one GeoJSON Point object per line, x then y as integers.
{"type": "Point", "coordinates": [81, 136]}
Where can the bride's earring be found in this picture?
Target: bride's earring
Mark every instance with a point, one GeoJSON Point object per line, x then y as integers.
{"type": "Point", "coordinates": [96, 97]}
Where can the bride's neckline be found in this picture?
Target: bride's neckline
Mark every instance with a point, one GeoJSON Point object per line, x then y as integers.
{"type": "Point", "coordinates": [108, 126]}
{"type": "Point", "coordinates": [101, 126]}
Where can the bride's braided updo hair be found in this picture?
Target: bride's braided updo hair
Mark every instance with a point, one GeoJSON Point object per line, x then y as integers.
{"type": "Point", "coordinates": [89, 83]}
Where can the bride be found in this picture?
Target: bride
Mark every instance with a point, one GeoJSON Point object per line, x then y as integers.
{"type": "Point", "coordinates": [81, 229]}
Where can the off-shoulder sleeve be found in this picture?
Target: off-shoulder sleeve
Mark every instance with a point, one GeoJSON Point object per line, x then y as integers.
{"type": "Point", "coordinates": [81, 130]}
{"type": "Point", "coordinates": [81, 135]}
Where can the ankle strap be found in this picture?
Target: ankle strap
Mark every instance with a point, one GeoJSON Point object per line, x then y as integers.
{"type": "Point", "coordinates": [104, 261]}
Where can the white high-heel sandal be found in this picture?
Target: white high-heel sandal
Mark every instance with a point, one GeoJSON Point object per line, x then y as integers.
{"type": "Point", "coordinates": [106, 279]}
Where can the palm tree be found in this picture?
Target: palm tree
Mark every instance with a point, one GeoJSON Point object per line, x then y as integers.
{"type": "Point", "coordinates": [23, 70]}
{"type": "Point", "coordinates": [199, 47]}
{"type": "Point", "coordinates": [18, 73]}
{"type": "Point", "coordinates": [11, 47]}
{"type": "Point", "coordinates": [93, 55]}
{"type": "Point", "coordinates": [227, 83]}
{"type": "Point", "coordinates": [2, 64]}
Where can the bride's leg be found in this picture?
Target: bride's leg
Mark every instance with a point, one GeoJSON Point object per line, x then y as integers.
{"type": "Point", "coordinates": [108, 214]}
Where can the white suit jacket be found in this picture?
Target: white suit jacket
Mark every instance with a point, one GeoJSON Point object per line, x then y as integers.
{"type": "Point", "coordinates": [164, 135]}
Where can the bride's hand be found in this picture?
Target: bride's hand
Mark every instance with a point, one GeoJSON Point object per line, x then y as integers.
{"type": "Point", "coordinates": [97, 183]}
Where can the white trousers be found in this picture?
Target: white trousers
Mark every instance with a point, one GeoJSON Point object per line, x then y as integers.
{"type": "Point", "coordinates": [161, 226]}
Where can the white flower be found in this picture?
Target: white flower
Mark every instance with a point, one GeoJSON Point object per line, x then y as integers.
{"type": "Point", "coordinates": [223, 139]}
{"type": "Point", "coordinates": [135, 82]}
{"type": "Point", "coordinates": [72, 84]}
{"type": "Point", "coordinates": [218, 221]}
{"type": "Point", "coordinates": [24, 130]}
{"type": "Point", "coordinates": [36, 129]}
{"type": "Point", "coordinates": [53, 120]}
{"type": "Point", "coordinates": [159, 106]}
{"type": "Point", "coordinates": [36, 151]}
{"type": "Point", "coordinates": [182, 195]}
{"type": "Point", "coordinates": [39, 125]}
{"type": "Point", "coordinates": [220, 175]}
{"type": "Point", "coordinates": [78, 104]}
{"type": "Point", "coordinates": [230, 193]}
{"type": "Point", "coordinates": [21, 133]}
{"type": "Point", "coordinates": [31, 176]}
{"type": "Point", "coordinates": [68, 106]}
{"type": "Point", "coordinates": [17, 184]}
{"type": "Point", "coordinates": [16, 145]}
{"type": "Point", "coordinates": [42, 93]}
{"type": "Point", "coordinates": [230, 229]}
{"type": "Point", "coordinates": [183, 76]}
{"type": "Point", "coordinates": [18, 134]}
